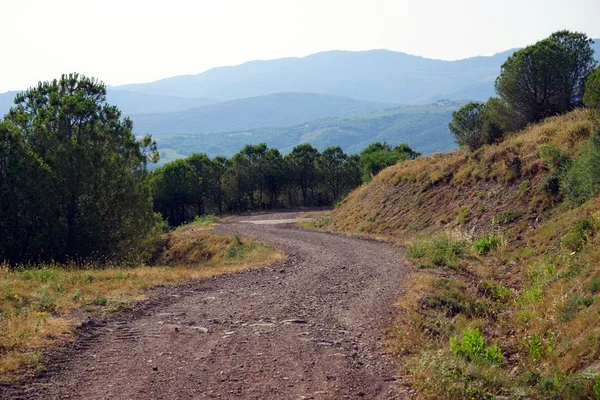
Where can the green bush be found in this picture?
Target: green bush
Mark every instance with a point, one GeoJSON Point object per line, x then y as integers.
{"type": "Point", "coordinates": [440, 250]}
{"type": "Point", "coordinates": [580, 234]}
{"type": "Point", "coordinates": [487, 243]}
{"type": "Point", "coordinates": [417, 250]}
{"type": "Point", "coordinates": [582, 181]}
{"type": "Point", "coordinates": [472, 348]}
{"type": "Point", "coordinates": [591, 98]}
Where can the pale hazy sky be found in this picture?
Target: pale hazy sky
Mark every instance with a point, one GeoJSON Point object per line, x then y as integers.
{"type": "Point", "coordinates": [129, 41]}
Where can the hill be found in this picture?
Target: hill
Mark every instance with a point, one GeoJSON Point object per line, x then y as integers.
{"type": "Point", "coordinates": [504, 260]}
{"type": "Point", "coordinates": [375, 75]}
{"type": "Point", "coordinates": [281, 109]}
{"type": "Point", "coordinates": [130, 102]}
{"type": "Point", "coordinates": [424, 128]}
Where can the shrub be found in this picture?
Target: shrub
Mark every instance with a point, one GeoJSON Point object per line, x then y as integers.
{"type": "Point", "coordinates": [580, 234]}
{"type": "Point", "coordinates": [487, 243]}
{"type": "Point", "coordinates": [441, 250]}
{"type": "Point", "coordinates": [507, 218]}
{"type": "Point", "coordinates": [582, 181]}
{"type": "Point", "coordinates": [472, 348]}
{"type": "Point", "coordinates": [417, 250]}
{"type": "Point", "coordinates": [591, 97]}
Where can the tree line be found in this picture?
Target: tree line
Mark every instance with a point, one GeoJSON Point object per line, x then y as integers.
{"type": "Point", "coordinates": [260, 178]}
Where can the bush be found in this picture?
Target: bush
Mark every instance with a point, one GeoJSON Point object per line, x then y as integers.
{"type": "Point", "coordinates": [582, 181]}
{"type": "Point", "coordinates": [580, 234]}
{"type": "Point", "coordinates": [441, 250]}
{"type": "Point", "coordinates": [472, 348]}
{"type": "Point", "coordinates": [487, 243]}
{"type": "Point", "coordinates": [591, 97]}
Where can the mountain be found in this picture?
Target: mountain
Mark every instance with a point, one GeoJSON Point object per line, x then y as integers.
{"type": "Point", "coordinates": [137, 103]}
{"type": "Point", "coordinates": [131, 102]}
{"type": "Point", "coordinates": [376, 75]}
{"type": "Point", "coordinates": [281, 109]}
{"type": "Point", "coordinates": [424, 128]}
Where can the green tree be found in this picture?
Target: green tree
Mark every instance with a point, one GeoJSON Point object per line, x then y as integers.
{"type": "Point", "coordinates": [302, 163]}
{"type": "Point", "coordinates": [274, 175]}
{"type": "Point", "coordinates": [467, 125]}
{"type": "Point", "coordinates": [174, 189]}
{"type": "Point", "coordinates": [546, 78]}
{"type": "Point", "coordinates": [218, 170]}
{"type": "Point", "coordinates": [378, 156]}
{"type": "Point", "coordinates": [91, 167]}
{"type": "Point", "coordinates": [591, 98]}
{"type": "Point", "coordinates": [201, 167]}
{"type": "Point", "coordinates": [336, 171]}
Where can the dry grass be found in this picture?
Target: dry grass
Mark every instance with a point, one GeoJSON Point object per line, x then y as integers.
{"type": "Point", "coordinates": [36, 303]}
{"type": "Point", "coordinates": [537, 296]}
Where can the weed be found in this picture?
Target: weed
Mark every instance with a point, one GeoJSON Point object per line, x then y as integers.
{"type": "Point", "coordinates": [573, 305]}
{"type": "Point", "coordinates": [594, 285]}
{"type": "Point", "coordinates": [577, 237]}
{"type": "Point", "coordinates": [99, 301]}
{"type": "Point", "coordinates": [472, 347]}
{"type": "Point", "coordinates": [507, 218]}
{"type": "Point", "coordinates": [417, 250]}
{"type": "Point", "coordinates": [487, 243]}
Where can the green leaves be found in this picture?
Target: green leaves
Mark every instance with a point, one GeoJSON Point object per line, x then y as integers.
{"type": "Point", "coordinates": [79, 191]}
{"type": "Point", "coordinates": [546, 78]}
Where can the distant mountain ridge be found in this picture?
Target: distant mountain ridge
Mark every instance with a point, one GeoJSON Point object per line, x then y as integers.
{"type": "Point", "coordinates": [279, 109]}
{"type": "Point", "coordinates": [130, 102]}
{"type": "Point", "coordinates": [374, 75]}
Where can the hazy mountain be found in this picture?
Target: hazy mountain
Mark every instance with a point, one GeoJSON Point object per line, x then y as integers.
{"type": "Point", "coordinates": [136, 103]}
{"type": "Point", "coordinates": [131, 102]}
{"type": "Point", "coordinates": [281, 109]}
{"type": "Point", "coordinates": [376, 75]}
{"type": "Point", "coordinates": [424, 128]}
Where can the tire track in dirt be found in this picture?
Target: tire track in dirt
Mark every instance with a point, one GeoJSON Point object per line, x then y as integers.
{"type": "Point", "coordinates": [307, 328]}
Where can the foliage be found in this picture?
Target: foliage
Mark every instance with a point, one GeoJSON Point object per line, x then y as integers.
{"type": "Point", "coordinates": [467, 125]}
{"type": "Point", "coordinates": [582, 181]}
{"type": "Point", "coordinates": [580, 234]}
{"type": "Point", "coordinates": [73, 177]}
{"type": "Point", "coordinates": [472, 347]}
{"type": "Point", "coordinates": [487, 243]}
{"type": "Point", "coordinates": [378, 156]}
{"type": "Point", "coordinates": [440, 250]}
{"type": "Point", "coordinates": [546, 78]}
{"type": "Point", "coordinates": [591, 97]}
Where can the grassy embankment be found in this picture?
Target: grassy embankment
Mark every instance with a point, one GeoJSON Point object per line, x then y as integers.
{"type": "Point", "coordinates": [36, 303]}
{"type": "Point", "coordinates": [505, 297]}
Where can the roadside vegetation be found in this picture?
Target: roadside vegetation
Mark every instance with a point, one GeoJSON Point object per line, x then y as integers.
{"type": "Point", "coordinates": [38, 301]}
{"type": "Point", "coordinates": [504, 301]}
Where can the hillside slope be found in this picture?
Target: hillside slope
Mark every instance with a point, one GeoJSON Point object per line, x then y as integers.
{"type": "Point", "coordinates": [505, 264]}
{"type": "Point", "coordinates": [280, 109]}
{"type": "Point", "coordinates": [424, 128]}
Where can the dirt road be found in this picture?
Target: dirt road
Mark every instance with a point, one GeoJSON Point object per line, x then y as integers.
{"type": "Point", "coordinates": [308, 328]}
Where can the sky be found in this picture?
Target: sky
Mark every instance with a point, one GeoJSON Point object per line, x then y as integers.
{"type": "Point", "coordinates": [133, 41]}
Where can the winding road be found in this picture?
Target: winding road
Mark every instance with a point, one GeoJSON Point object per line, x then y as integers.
{"type": "Point", "coordinates": [307, 328]}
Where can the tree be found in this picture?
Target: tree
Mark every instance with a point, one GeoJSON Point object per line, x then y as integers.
{"type": "Point", "coordinates": [91, 174]}
{"type": "Point", "coordinates": [546, 78]}
{"type": "Point", "coordinates": [591, 98]}
{"type": "Point", "coordinates": [274, 175]}
{"type": "Point", "coordinates": [378, 156]}
{"type": "Point", "coordinates": [218, 169]}
{"type": "Point", "coordinates": [334, 170]}
{"type": "Point", "coordinates": [302, 162]}
{"type": "Point", "coordinates": [467, 125]}
{"type": "Point", "coordinates": [201, 167]}
{"type": "Point", "coordinates": [174, 189]}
